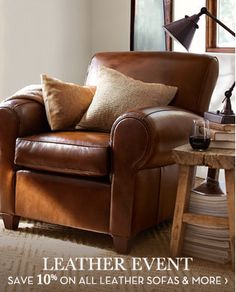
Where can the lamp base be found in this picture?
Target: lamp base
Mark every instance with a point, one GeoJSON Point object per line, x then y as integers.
{"type": "Point", "coordinates": [211, 185]}
{"type": "Point", "coordinates": [209, 188]}
{"type": "Point", "coordinates": [219, 118]}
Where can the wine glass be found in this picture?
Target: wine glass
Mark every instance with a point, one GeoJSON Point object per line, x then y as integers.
{"type": "Point", "coordinates": [200, 136]}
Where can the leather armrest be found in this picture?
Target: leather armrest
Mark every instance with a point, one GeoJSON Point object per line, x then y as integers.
{"type": "Point", "coordinates": [145, 138]}
{"type": "Point", "coordinates": [19, 116]}
{"type": "Point", "coordinates": [28, 114]}
{"type": "Point", "coordinates": [142, 139]}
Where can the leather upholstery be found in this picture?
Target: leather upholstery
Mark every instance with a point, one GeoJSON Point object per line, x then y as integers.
{"type": "Point", "coordinates": [117, 183]}
{"type": "Point", "coordinates": [189, 72]}
{"type": "Point", "coordinates": [74, 152]}
{"type": "Point", "coordinates": [154, 132]}
{"type": "Point", "coordinates": [63, 200]}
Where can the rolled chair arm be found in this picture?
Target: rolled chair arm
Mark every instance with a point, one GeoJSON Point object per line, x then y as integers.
{"type": "Point", "coordinates": [20, 115]}
{"type": "Point", "coordinates": [146, 137]}
{"type": "Point", "coordinates": [140, 140]}
{"type": "Point", "coordinates": [27, 108]}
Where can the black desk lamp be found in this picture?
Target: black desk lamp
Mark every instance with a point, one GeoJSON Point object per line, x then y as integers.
{"type": "Point", "coordinates": [183, 31]}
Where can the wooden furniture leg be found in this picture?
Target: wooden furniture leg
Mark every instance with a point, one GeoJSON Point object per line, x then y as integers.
{"type": "Point", "coordinates": [10, 221]}
{"type": "Point", "coordinates": [121, 244]}
{"type": "Point", "coordinates": [182, 199]}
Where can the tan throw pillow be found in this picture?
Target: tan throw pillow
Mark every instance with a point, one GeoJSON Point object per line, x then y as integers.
{"type": "Point", "coordinates": [117, 93]}
{"type": "Point", "coordinates": [65, 103]}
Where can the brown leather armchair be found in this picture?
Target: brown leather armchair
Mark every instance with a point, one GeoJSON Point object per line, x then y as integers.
{"type": "Point", "coordinates": [117, 183]}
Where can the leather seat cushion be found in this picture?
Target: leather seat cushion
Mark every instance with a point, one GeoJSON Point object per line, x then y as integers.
{"type": "Point", "coordinates": [73, 152]}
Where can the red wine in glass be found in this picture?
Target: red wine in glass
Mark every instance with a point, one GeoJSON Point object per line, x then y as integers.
{"type": "Point", "coordinates": [200, 136]}
{"type": "Point", "coordinates": [199, 142]}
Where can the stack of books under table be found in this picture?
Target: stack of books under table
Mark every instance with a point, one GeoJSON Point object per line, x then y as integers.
{"type": "Point", "coordinates": [207, 242]}
{"type": "Point", "coordinates": [222, 135]}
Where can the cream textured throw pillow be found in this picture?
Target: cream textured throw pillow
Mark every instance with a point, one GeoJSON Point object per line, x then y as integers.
{"type": "Point", "coordinates": [65, 103]}
{"type": "Point", "coordinates": [117, 93]}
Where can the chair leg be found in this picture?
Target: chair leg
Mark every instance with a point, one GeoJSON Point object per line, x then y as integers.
{"type": "Point", "coordinates": [121, 244]}
{"type": "Point", "coordinates": [10, 221]}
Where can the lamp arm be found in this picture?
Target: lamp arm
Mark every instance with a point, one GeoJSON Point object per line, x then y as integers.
{"type": "Point", "coordinates": [205, 11]}
{"type": "Point", "coordinates": [228, 93]}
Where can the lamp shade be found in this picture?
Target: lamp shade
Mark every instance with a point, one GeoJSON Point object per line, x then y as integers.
{"type": "Point", "coordinates": [183, 30]}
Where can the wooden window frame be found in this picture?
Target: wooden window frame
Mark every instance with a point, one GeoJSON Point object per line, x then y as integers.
{"type": "Point", "coordinates": [168, 18]}
{"type": "Point", "coordinates": [211, 31]}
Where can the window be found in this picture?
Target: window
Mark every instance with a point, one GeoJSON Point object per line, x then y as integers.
{"type": "Point", "coordinates": [217, 38]}
{"type": "Point", "coordinates": [147, 20]}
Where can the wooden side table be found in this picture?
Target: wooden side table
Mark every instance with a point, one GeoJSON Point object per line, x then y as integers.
{"type": "Point", "coordinates": [188, 159]}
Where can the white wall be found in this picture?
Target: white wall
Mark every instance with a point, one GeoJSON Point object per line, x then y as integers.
{"type": "Point", "coordinates": [110, 25]}
{"type": "Point", "coordinates": [42, 36]}
{"type": "Point", "coordinates": [57, 37]}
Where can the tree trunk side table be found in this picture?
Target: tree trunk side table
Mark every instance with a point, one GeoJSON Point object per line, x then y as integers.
{"type": "Point", "coordinates": [188, 159]}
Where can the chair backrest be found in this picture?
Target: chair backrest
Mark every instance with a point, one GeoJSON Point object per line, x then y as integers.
{"type": "Point", "coordinates": [195, 75]}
